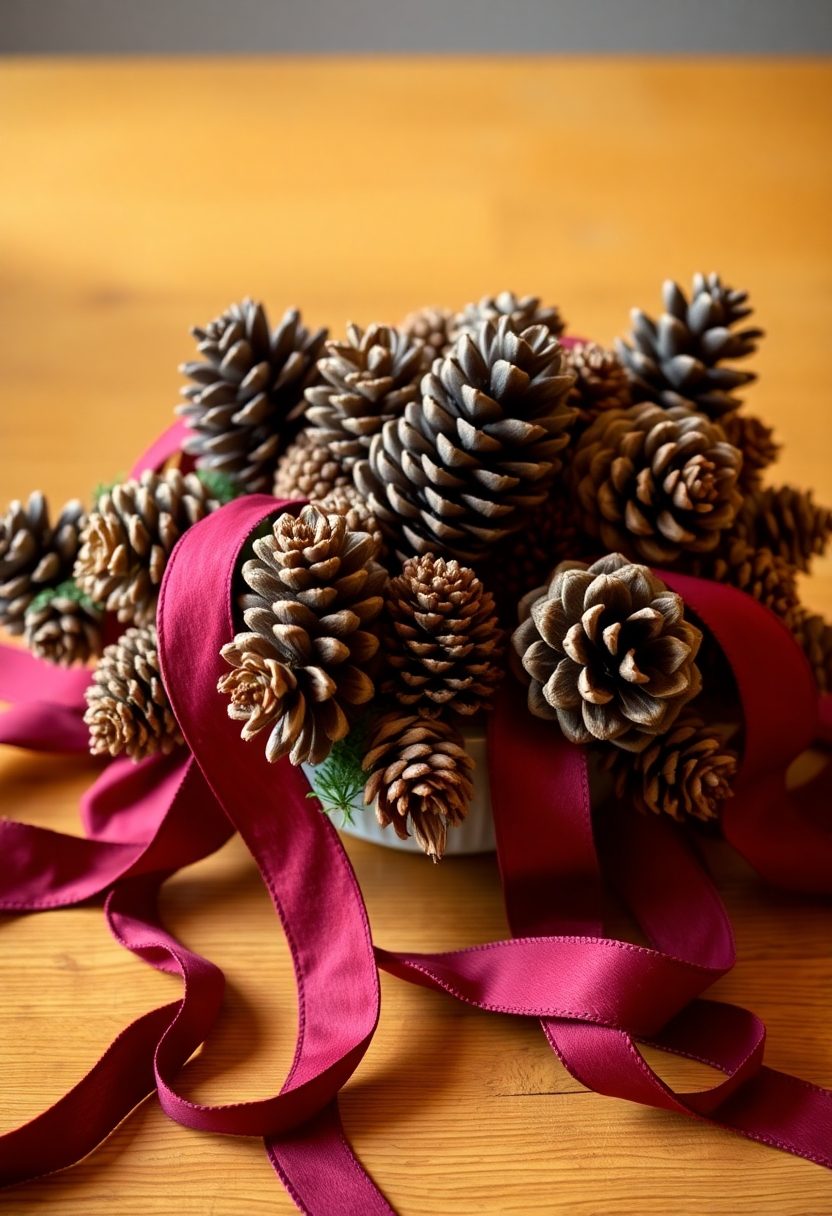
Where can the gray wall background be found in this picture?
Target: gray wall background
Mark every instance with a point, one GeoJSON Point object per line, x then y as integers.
{"type": "Point", "coordinates": [217, 26]}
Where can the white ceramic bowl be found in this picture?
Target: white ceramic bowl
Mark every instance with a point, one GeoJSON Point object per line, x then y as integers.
{"type": "Point", "coordinates": [474, 835]}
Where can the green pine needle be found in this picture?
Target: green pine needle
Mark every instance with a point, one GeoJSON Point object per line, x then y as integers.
{"type": "Point", "coordinates": [340, 779]}
{"type": "Point", "coordinates": [67, 590]}
{"type": "Point", "coordinates": [219, 485]}
{"type": "Point", "coordinates": [106, 487]}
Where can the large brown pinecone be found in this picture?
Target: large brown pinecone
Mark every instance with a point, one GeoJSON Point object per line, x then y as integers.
{"type": "Point", "coordinates": [433, 327]}
{"type": "Point", "coordinates": [815, 637]}
{"type": "Point", "coordinates": [755, 439]}
{"type": "Point", "coordinates": [763, 575]}
{"type": "Point", "coordinates": [63, 626]}
{"type": "Point", "coordinates": [520, 312]}
{"type": "Point", "coordinates": [788, 521]}
{"type": "Point", "coordinates": [680, 357]}
{"type": "Point", "coordinates": [128, 538]}
{"type": "Point", "coordinates": [656, 483]}
{"type": "Point", "coordinates": [685, 773]}
{"type": "Point", "coordinates": [367, 380]}
{"type": "Point", "coordinates": [128, 711]}
{"type": "Point", "coordinates": [419, 776]}
{"type": "Point", "coordinates": [463, 467]}
{"type": "Point", "coordinates": [601, 382]}
{"type": "Point", "coordinates": [608, 653]}
{"type": "Point", "coordinates": [301, 671]}
{"type": "Point", "coordinates": [442, 640]}
{"type": "Point", "coordinates": [307, 469]}
{"type": "Point", "coordinates": [33, 554]}
{"type": "Point", "coordinates": [246, 399]}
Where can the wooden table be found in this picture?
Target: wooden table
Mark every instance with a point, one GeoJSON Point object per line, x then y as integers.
{"type": "Point", "coordinates": [142, 196]}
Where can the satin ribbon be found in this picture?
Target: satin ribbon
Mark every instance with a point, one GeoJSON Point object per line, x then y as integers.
{"type": "Point", "coordinates": [594, 995]}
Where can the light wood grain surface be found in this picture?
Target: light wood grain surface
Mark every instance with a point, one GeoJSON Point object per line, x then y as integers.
{"type": "Point", "coordinates": [140, 197]}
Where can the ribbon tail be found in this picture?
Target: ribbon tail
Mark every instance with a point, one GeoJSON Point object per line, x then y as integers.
{"type": "Point", "coordinates": [42, 726]}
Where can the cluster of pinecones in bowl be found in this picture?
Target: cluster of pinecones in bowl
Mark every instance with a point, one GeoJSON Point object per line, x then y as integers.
{"type": "Point", "coordinates": [483, 495]}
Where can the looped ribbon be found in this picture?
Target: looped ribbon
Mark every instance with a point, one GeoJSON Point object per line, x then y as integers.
{"type": "Point", "coordinates": [597, 997]}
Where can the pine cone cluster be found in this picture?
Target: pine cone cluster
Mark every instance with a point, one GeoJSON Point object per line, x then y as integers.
{"type": "Point", "coordinates": [763, 575]}
{"type": "Point", "coordinates": [519, 313]}
{"type": "Point", "coordinates": [128, 711]}
{"type": "Point", "coordinates": [302, 669]}
{"type": "Point", "coordinates": [443, 643]}
{"type": "Point", "coordinates": [755, 440]}
{"type": "Point", "coordinates": [307, 469]}
{"type": "Point", "coordinates": [680, 358]}
{"type": "Point", "coordinates": [461, 469]}
{"type": "Point", "coordinates": [433, 327]}
{"type": "Point", "coordinates": [787, 521]}
{"type": "Point", "coordinates": [34, 555]}
{"type": "Point", "coordinates": [246, 399]}
{"type": "Point", "coordinates": [814, 635]}
{"type": "Point", "coordinates": [685, 773]}
{"type": "Point", "coordinates": [63, 626]}
{"type": "Point", "coordinates": [367, 380]}
{"type": "Point", "coordinates": [601, 382]}
{"type": "Point", "coordinates": [419, 776]}
{"type": "Point", "coordinates": [656, 483]}
{"type": "Point", "coordinates": [608, 653]}
{"type": "Point", "coordinates": [128, 538]}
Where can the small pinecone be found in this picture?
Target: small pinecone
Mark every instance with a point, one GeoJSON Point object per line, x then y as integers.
{"type": "Point", "coordinates": [601, 383]}
{"type": "Point", "coordinates": [370, 378]}
{"type": "Point", "coordinates": [763, 575]}
{"type": "Point", "coordinates": [302, 670]}
{"type": "Point", "coordinates": [419, 775]}
{"type": "Point", "coordinates": [33, 554]}
{"type": "Point", "coordinates": [520, 312]}
{"type": "Point", "coordinates": [307, 469]}
{"type": "Point", "coordinates": [247, 394]}
{"type": "Point", "coordinates": [656, 483]}
{"type": "Point", "coordinates": [686, 773]}
{"type": "Point", "coordinates": [127, 540]}
{"type": "Point", "coordinates": [463, 467]}
{"type": "Point", "coordinates": [788, 521]}
{"type": "Point", "coordinates": [63, 626]}
{"type": "Point", "coordinates": [346, 501]}
{"type": "Point", "coordinates": [433, 327]}
{"type": "Point", "coordinates": [443, 643]}
{"type": "Point", "coordinates": [680, 357]}
{"type": "Point", "coordinates": [608, 653]}
{"type": "Point", "coordinates": [751, 436]}
{"type": "Point", "coordinates": [527, 559]}
{"type": "Point", "coordinates": [815, 637]}
{"type": "Point", "coordinates": [127, 707]}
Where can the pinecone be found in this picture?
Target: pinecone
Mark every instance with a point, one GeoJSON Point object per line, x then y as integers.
{"type": "Point", "coordinates": [307, 469]}
{"type": "Point", "coordinates": [680, 357]}
{"type": "Point", "coordinates": [247, 398]}
{"type": "Point", "coordinates": [601, 383]}
{"type": "Point", "coordinates": [686, 773]}
{"type": "Point", "coordinates": [63, 626]}
{"type": "Point", "coordinates": [758, 572]}
{"type": "Point", "coordinates": [520, 312]}
{"type": "Point", "coordinates": [443, 643]}
{"type": "Point", "coordinates": [370, 378]}
{"type": "Point", "coordinates": [433, 327]}
{"type": "Point", "coordinates": [463, 467]}
{"type": "Point", "coordinates": [127, 540]}
{"type": "Point", "coordinates": [788, 521]}
{"type": "Point", "coordinates": [815, 637]}
{"type": "Point", "coordinates": [419, 775]}
{"type": "Point", "coordinates": [33, 554]}
{"type": "Point", "coordinates": [751, 436]}
{"type": "Point", "coordinates": [656, 483]}
{"type": "Point", "coordinates": [527, 559]}
{"type": "Point", "coordinates": [346, 501]}
{"type": "Point", "coordinates": [302, 670]}
{"type": "Point", "coordinates": [127, 707]}
{"type": "Point", "coordinates": [608, 652]}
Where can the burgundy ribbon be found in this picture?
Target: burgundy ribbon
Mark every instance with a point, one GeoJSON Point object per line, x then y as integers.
{"type": "Point", "coordinates": [595, 995]}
